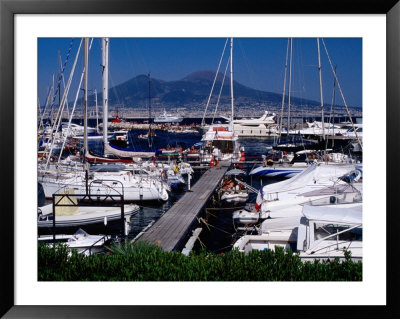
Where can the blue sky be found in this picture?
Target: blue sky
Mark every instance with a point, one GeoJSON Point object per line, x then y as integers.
{"type": "Point", "coordinates": [258, 63]}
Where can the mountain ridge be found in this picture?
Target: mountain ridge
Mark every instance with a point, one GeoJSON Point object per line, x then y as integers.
{"type": "Point", "coordinates": [193, 88]}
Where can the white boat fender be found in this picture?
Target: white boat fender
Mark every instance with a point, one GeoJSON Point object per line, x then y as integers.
{"type": "Point", "coordinates": [105, 220]}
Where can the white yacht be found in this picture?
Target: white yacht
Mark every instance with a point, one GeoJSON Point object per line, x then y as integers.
{"type": "Point", "coordinates": [75, 130]}
{"type": "Point", "coordinates": [167, 118]}
{"type": "Point", "coordinates": [256, 127]}
{"type": "Point", "coordinates": [80, 241]}
{"type": "Point", "coordinates": [323, 232]}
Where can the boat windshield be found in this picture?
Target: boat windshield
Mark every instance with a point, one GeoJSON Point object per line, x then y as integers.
{"type": "Point", "coordinates": [323, 230]}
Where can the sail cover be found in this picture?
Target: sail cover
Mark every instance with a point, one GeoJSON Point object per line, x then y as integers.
{"type": "Point", "coordinates": [335, 214]}
{"type": "Point", "coordinates": [111, 149]}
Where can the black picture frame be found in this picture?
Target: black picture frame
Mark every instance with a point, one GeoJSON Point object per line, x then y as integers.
{"type": "Point", "coordinates": [8, 10]}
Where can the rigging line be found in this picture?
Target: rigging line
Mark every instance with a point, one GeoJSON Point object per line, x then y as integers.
{"type": "Point", "coordinates": [114, 89]}
{"type": "Point", "coordinates": [130, 58]}
{"type": "Point", "coordinates": [215, 79]}
{"type": "Point", "coordinates": [220, 92]}
{"type": "Point", "coordinates": [57, 121]}
{"type": "Point", "coordinates": [45, 106]}
{"type": "Point", "coordinates": [207, 224]}
{"type": "Point", "coordinates": [331, 114]}
{"type": "Point", "coordinates": [63, 77]}
{"type": "Point", "coordinates": [57, 88]}
{"type": "Point", "coordinates": [70, 118]}
{"type": "Point", "coordinates": [201, 243]}
{"type": "Point", "coordinates": [341, 93]}
{"type": "Point", "coordinates": [250, 70]}
{"type": "Point", "coordinates": [301, 78]}
{"type": "Point", "coordinates": [59, 77]}
{"type": "Point", "coordinates": [219, 249]}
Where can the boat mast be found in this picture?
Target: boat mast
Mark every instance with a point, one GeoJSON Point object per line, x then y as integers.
{"type": "Point", "coordinates": [97, 111]}
{"type": "Point", "coordinates": [321, 92]}
{"type": "Point", "coordinates": [232, 83]}
{"type": "Point", "coordinates": [284, 90]}
{"type": "Point", "coordinates": [104, 49]}
{"type": "Point", "coordinates": [85, 142]}
{"type": "Point", "coordinates": [149, 136]}
{"type": "Point", "coordinates": [85, 83]}
{"type": "Point", "coordinates": [290, 84]}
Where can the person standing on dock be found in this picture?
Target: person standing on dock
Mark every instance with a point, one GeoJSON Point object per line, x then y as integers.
{"type": "Point", "coordinates": [216, 155]}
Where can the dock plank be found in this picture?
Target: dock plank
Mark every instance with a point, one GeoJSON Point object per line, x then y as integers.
{"type": "Point", "coordinates": [174, 225]}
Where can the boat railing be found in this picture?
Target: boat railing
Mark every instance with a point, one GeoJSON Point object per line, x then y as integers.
{"type": "Point", "coordinates": [108, 187]}
{"type": "Point", "coordinates": [89, 249]}
{"type": "Point", "coordinates": [249, 187]}
{"type": "Point", "coordinates": [87, 199]}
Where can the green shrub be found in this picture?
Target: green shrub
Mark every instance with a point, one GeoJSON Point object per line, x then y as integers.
{"type": "Point", "coordinates": [144, 262]}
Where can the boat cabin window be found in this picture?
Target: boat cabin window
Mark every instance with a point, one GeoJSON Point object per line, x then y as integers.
{"type": "Point", "coordinates": [139, 172]}
{"type": "Point", "coordinates": [357, 129]}
{"type": "Point", "coordinates": [324, 230]}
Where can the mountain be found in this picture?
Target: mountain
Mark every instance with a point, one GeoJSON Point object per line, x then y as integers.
{"type": "Point", "coordinates": [194, 88]}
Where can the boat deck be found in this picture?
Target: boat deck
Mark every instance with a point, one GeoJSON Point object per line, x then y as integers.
{"type": "Point", "coordinates": [173, 227]}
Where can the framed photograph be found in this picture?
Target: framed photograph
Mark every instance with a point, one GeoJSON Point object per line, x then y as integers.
{"type": "Point", "coordinates": [24, 23]}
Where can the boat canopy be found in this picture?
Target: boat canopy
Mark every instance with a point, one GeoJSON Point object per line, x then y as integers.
{"type": "Point", "coordinates": [336, 215]}
{"type": "Point", "coordinates": [235, 171]}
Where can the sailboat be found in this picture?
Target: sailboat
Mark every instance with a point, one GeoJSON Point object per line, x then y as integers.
{"type": "Point", "coordinates": [150, 134]}
{"type": "Point", "coordinates": [103, 183]}
{"type": "Point", "coordinates": [222, 136]}
{"type": "Point", "coordinates": [114, 153]}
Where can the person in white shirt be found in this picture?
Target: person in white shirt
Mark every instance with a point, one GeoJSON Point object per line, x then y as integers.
{"type": "Point", "coordinates": [216, 155]}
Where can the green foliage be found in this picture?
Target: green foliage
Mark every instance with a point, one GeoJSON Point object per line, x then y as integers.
{"type": "Point", "coordinates": [144, 262]}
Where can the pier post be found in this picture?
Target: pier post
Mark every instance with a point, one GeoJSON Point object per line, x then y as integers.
{"type": "Point", "coordinates": [122, 219]}
{"type": "Point", "coordinates": [189, 177]}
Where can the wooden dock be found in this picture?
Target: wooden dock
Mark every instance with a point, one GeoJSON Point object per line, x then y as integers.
{"type": "Point", "coordinates": [172, 228]}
